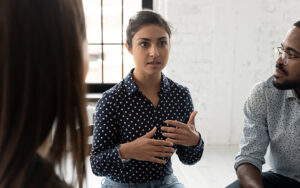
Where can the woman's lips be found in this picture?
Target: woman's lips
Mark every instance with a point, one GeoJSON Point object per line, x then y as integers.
{"type": "Point", "coordinates": [153, 63]}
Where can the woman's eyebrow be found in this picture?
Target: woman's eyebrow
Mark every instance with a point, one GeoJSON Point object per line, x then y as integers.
{"type": "Point", "coordinates": [144, 39]}
{"type": "Point", "coordinates": [162, 38]}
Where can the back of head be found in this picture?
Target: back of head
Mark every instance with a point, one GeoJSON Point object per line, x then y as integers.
{"type": "Point", "coordinates": [41, 81]}
{"type": "Point", "coordinates": [297, 24]}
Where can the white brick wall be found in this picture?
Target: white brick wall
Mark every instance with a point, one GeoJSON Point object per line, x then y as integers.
{"type": "Point", "coordinates": [220, 49]}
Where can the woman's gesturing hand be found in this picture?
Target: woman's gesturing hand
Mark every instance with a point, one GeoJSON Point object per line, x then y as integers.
{"type": "Point", "coordinates": [182, 134]}
{"type": "Point", "coordinates": [147, 149]}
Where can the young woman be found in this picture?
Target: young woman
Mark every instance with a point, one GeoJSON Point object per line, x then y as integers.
{"type": "Point", "coordinates": [42, 73]}
{"type": "Point", "coordinates": [144, 119]}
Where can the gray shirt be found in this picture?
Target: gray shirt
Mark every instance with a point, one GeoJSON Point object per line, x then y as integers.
{"type": "Point", "coordinates": [272, 118]}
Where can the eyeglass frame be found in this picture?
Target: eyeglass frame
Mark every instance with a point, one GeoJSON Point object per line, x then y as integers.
{"type": "Point", "coordinates": [285, 55]}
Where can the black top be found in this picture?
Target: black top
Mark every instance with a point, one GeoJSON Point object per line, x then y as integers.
{"type": "Point", "coordinates": [41, 174]}
{"type": "Point", "coordinates": [124, 114]}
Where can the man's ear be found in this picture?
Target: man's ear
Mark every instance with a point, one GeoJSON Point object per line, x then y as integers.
{"type": "Point", "coordinates": [128, 48]}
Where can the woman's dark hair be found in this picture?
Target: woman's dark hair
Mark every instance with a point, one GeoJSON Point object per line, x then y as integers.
{"type": "Point", "coordinates": [41, 82]}
{"type": "Point", "coordinates": [142, 18]}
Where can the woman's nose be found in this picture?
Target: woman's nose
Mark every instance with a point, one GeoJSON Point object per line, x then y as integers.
{"type": "Point", "coordinates": [154, 51]}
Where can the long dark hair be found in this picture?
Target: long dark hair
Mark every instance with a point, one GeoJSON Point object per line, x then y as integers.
{"type": "Point", "coordinates": [41, 82]}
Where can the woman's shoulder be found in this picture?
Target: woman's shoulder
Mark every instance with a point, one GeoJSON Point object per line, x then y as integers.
{"type": "Point", "coordinates": [41, 174]}
{"type": "Point", "coordinates": [112, 96]}
{"type": "Point", "coordinates": [175, 86]}
{"type": "Point", "coordinates": [114, 92]}
{"type": "Point", "coordinates": [115, 89]}
{"type": "Point", "coordinates": [58, 183]}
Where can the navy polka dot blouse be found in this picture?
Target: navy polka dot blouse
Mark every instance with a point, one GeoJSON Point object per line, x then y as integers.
{"type": "Point", "coordinates": [124, 114]}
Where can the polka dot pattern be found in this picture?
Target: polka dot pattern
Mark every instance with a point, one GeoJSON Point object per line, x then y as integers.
{"type": "Point", "coordinates": [124, 114]}
{"type": "Point", "coordinates": [272, 119]}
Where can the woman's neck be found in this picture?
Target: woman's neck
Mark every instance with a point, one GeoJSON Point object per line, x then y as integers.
{"type": "Point", "coordinates": [147, 83]}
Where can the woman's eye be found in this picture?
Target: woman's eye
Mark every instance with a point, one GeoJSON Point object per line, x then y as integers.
{"type": "Point", "coordinates": [144, 44]}
{"type": "Point", "coordinates": [163, 43]}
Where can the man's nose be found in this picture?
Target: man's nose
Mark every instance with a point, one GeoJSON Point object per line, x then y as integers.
{"type": "Point", "coordinates": [282, 59]}
{"type": "Point", "coordinates": [279, 60]}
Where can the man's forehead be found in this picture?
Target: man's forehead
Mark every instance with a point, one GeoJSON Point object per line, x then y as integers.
{"type": "Point", "coordinates": [292, 38]}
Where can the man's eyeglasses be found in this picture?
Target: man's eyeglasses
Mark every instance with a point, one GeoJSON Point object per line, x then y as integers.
{"type": "Point", "coordinates": [287, 54]}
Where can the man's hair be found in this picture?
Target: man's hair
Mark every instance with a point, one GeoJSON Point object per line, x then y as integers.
{"type": "Point", "coordinates": [42, 87]}
{"type": "Point", "coordinates": [297, 24]}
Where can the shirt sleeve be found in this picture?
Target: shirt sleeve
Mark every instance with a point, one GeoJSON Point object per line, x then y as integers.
{"type": "Point", "coordinates": [192, 154]}
{"type": "Point", "coordinates": [255, 136]}
{"type": "Point", "coordinates": [104, 157]}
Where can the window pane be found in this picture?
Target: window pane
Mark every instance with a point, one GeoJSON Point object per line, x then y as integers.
{"type": "Point", "coordinates": [130, 9]}
{"type": "Point", "coordinates": [128, 62]}
{"type": "Point", "coordinates": [112, 63]}
{"type": "Point", "coordinates": [95, 66]}
{"type": "Point", "coordinates": [92, 10]}
{"type": "Point", "coordinates": [112, 21]}
{"type": "Point", "coordinates": [112, 33]}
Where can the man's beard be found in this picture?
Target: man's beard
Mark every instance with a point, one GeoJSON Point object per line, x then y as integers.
{"type": "Point", "coordinates": [288, 84]}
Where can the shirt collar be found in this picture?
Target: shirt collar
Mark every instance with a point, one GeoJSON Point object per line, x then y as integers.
{"type": "Point", "coordinates": [165, 84]}
{"type": "Point", "coordinates": [129, 83]}
{"type": "Point", "coordinates": [291, 93]}
{"type": "Point", "coordinates": [131, 87]}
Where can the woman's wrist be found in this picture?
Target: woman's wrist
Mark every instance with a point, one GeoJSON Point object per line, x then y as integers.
{"type": "Point", "coordinates": [123, 154]}
{"type": "Point", "coordinates": [198, 138]}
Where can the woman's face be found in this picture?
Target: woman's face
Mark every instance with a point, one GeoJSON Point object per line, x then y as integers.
{"type": "Point", "coordinates": [150, 49]}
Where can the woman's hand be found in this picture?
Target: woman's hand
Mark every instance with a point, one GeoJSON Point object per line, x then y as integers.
{"type": "Point", "coordinates": [147, 149]}
{"type": "Point", "coordinates": [182, 134]}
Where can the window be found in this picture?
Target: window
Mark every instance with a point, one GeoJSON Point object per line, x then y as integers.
{"type": "Point", "coordinates": [106, 22]}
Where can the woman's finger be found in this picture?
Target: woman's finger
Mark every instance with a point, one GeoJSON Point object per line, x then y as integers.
{"type": "Point", "coordinates": [157, 160]}
{"type": "Point", "coordinates": [178, 142]}
{"type": "Point", "coordinates": [175, 123]}
{"type": "Point", "coordinates": [172, 135]}
{"type": "Point", "coordinates": [162, 154]}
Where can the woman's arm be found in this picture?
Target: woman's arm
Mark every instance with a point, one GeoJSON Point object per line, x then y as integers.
{"type": "Point", "coordinates": [188, 139]}
{"type": "Point", "coordinates": [105, 159]}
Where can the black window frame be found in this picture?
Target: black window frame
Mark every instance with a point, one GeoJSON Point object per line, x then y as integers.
{"type": "Point", "coordinates": [99, 88]}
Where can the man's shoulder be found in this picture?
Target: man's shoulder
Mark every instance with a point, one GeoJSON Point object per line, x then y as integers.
{"type": "Point", "coordinates": [271, 91]}
{"type": "Point", "coordinates": [266, 87]}
{"type": "Point", "coordinates": [268, 84]}
{"type": "Point", "coordinates": [266, 90]}
{"type": "Point", "coordinates": [265, 84]}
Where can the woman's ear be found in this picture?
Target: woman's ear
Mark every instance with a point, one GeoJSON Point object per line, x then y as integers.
{"type": "Point", "coordinates": [128, 48]}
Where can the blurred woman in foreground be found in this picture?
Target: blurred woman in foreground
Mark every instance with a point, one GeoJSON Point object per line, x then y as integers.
{"type": "Point", "coordinates": [42, 71]}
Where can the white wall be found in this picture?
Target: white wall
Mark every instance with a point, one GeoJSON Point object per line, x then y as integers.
{"type": "Point", "coordinates": [220, 49]}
